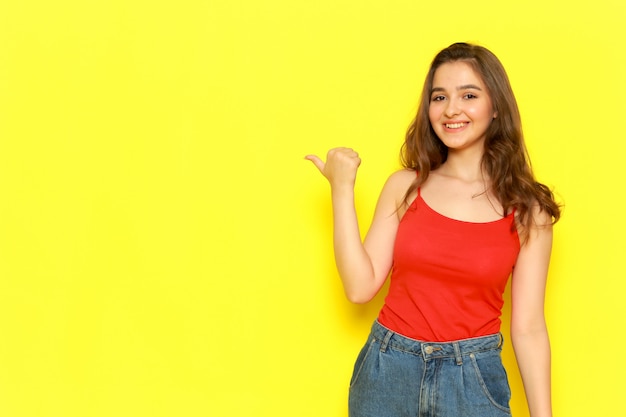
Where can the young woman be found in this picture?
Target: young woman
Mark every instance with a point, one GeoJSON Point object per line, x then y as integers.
{"type": "Point", "coordinates": [464, 215]}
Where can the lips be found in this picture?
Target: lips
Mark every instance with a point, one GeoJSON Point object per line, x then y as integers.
{"type": "Point", "coordinates": [457, 125]}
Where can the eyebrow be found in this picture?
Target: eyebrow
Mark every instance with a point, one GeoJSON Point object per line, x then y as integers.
{"type": "Point", "coordinates": [461, 87]}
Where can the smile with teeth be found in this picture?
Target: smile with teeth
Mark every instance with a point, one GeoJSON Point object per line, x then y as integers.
{"type": "Point", "coordinates": [455, 125]}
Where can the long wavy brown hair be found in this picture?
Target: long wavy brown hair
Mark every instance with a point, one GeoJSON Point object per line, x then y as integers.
{"type": "Point", "coordinates": [505, 161]}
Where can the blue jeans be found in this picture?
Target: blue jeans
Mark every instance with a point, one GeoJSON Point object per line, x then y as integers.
{"type": "Point", "coordinates": [395, 376]}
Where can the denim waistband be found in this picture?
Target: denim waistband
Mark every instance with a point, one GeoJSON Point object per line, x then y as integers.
{"type": "Point", "coordinates": [431, 350]}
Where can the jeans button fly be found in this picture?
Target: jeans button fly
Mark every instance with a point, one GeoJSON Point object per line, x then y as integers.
{"type": "Point", "coordinates": [428, 350]}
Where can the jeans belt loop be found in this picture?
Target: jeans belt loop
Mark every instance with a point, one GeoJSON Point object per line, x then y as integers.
{"type": "Point", "coordinates": [385, 343]}
{"type": "Point", "coordinates": [457, 353]}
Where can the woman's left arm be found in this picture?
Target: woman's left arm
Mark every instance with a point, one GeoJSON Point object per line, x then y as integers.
{"type": "Point", "coordinates": [529, 332]}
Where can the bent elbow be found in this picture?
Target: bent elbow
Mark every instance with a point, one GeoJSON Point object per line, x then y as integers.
{"type": "Point", "coordinates": [359, 297]}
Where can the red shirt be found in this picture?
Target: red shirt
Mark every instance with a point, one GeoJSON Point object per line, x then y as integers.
{"type": "Point", "coordinates": [448, 275]}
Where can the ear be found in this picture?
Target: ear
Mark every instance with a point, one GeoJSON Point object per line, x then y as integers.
{"type": "Point", "coordinates": [495, 114]}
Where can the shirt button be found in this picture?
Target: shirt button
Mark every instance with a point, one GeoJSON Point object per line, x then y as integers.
{"type": "Point", "coordinates": [428, 350]}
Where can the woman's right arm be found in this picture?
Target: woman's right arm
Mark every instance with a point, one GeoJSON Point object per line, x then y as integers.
{"type": "Point", "coordinates": [362, 265]}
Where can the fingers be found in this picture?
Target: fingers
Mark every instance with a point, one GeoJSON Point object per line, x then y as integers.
{"type": "Point", "coordinates": [316, 161]}
{"type": "Point", "coordinates": [344, 155]}
{"type": "Point", "coordinates": [340, 166]}
{"type": "Point", "coordinates": [336, 156]}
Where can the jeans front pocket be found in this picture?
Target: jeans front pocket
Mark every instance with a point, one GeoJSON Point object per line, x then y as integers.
{"type": "Point", "coordinates": [492, 378]}
{"type": "Point", "coordinates": [360, 360]}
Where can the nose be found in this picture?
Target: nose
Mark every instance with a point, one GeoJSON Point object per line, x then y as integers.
{"type": "Point", "coordinates": [452, 108]}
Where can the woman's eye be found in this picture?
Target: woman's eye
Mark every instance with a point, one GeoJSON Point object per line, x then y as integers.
{"type": "Point", "coordinates": [469, 96]}
{"type": "Point", "coordinates": [437, 98]}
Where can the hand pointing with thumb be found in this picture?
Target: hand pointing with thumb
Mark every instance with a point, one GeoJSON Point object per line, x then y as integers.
{"type": "Point", "coordinates": [340, 167]}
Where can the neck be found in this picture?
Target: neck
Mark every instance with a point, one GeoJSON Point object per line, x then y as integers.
{"type": "Point", "coordinates": [464, 166]}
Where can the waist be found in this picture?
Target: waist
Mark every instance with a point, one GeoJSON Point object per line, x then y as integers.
{"type": "Point", "coordinates": [452, 349]}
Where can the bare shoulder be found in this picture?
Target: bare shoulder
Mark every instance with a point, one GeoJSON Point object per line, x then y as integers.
{"type": "Point", "coordinates": [542, 224]}
{"type": "Point", "coordinates": [540, 228]}
{"type": "Point", "coordinates": [402, 178]}
{"type": "Point", "coordinates": [399, 182]}
{"type": "Point", "coordinates": [541, 219]}
{"type": "Point", "coordinates": [394, 191]}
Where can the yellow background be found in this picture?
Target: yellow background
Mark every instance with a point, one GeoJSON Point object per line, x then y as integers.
{"type": "Point", "coordinates": [165, 250]}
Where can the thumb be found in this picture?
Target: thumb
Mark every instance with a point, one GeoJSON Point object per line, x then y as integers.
{"type": "Point", "coordinates": [316, 161]}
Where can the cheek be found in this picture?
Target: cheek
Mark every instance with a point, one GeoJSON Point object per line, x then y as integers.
{"type": "Point", "coordinates": [433, 115]}
{"type": "Point", "coordinates": [480, 112]}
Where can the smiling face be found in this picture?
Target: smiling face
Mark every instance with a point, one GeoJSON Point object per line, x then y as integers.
{"type": "Point", "coordinates": [460, 109]}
